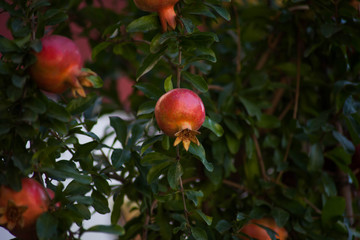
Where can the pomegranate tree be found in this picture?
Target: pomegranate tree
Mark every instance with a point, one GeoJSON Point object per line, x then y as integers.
{"type": "Point", "coordinates": [180, 113]}
{"type": "Point", "coordinates": [20, 210]}
{"type": "Point", "coordinates": [165, 9]}
{"type": "Point", "coordinates": [254, 231]}
{"type": "Point", "coordinates": [59, 67]}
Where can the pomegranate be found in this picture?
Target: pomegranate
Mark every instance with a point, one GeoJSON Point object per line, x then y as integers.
{"type": "Point", "coordinates": [20, 210]}
{"type": "Point", "coordinates": [257, 232]}
{"type": "Point", "coordinates": [165, 9]}
{"type": "Point", "coordinates": [180, 113]}
{"type": "Point", "coordinates": [58, 67]}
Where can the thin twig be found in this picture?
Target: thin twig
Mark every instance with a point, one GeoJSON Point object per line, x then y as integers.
{"type": "Point", "coordinates": [182, 190]}
{"type": "Point", "coordinates": [147, 220]}
{"type": "Point", "coordinates": [260, 158]}
{"type": "Point", "coordinates": [215, 87]}
{"type": "Point", "coordinates": [265, 56]}
{"type": "Point", "coordinates": [238, 41]}
{"type": "Point", "coordinates": [276, 99]}
{"type": "Point", "coordinates": [178, 70]}
{"type": "Point", "coordinates": [316, 209]}
{"type": "Point", "coordinates": [298, 77]}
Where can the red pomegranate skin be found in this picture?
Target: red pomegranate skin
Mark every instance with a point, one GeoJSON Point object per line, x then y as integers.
{"type": "Point", "coordinates": [58, 64]}
{"type": "Point", "coordinates": [165, 9]}
{"type": "Point", "coordinates": [33, 199]}
{"type": "Point", "coordinates": [256, 232]}
{"type": "Point", "coordinates": [179, 109]}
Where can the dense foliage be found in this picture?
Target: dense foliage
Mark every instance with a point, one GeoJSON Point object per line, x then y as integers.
{"type": "Point", "coordinates": [280, 85]}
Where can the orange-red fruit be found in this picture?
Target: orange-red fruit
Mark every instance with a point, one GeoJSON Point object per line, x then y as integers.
{"type": "Point", "coordinates": [20, 210]}
{"type": "Point", "coordinates": [58, 66]}
{"type": "Point", "coordinates": [257, 232]}
{"type": "Point", "coordinates": [165, 9]}
{"type": "Point", "coordinates": [180, 113]}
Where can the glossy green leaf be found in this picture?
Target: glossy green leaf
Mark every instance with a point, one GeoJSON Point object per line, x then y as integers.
{"type": "Point", "coordinates": [149, 63]}
{"type": "Point", "coordinates": [111, 229]}
{"type": "Point", "coordinates": [206, 218]}
{"type": "Point", "coordinates": [120, 128]}
{"type": "Point", "coordinates": [144, 24]}
{"type": "Point", "coordinates": [198, 81]}
{"type": "Point", "coordinates": [198, 233]}
{"type": "Point", "coordinates": [174, 174]}
{"type": "Point", "coordinates": [199, 151]}
{"type": "Point", "coordinates": [168, 85]}
{"type": "Point", "coordinates": [213, 126]}
{"type": "Point", "coordinates": [46, 226]}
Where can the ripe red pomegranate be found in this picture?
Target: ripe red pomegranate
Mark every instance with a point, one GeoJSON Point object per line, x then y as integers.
{"type": "Point", "coordinates": [165, 9]}
{"type": "Point", "coordinates": [256, 232]}
{"type": "Point", "coordinates": [58, 66]}
{"type": "Point", "coordinates": [20, 210]}
{"type": "Point", "coordinates": [180, 113]}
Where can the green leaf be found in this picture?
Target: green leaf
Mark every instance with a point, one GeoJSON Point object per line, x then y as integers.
{"type": "Point", "coordinates": [316, 157]}
{"type": "Point", "coordinates": [223, 226]}
{"type": "Point", "coordinates": [144, 24]}
{"type": "Point", "coordinates": [111, 229]}
{"type": "Point", "coordinates": [116, 211]}
{"type": "Point", "coordinates": [79, 105]}
{"type": "Point", "coordinates": [268, 121]}
{"type": "Point", "coordinates": [150, 90]}
{"type": "Point", "coordinates": [160, 39]}
{"type": "Point", "coordinates": [7, 45]}
{"type": "Point", "coordinates": [198, 233]}
{"type": "Point", "coordinates": [149, 63]}
{"type": "Point", "coordinates": [46, 226]}
{"type": "Point", "coordinates": [168, 85]}
{"type": "Point", "coordinates": [333, 210]}
{"type": "Point", "coordinates": [67, 169]}
{"type": "Point", "coordinates": [251, 108]}
{"type": "Point", "coordinates": [165, 143]}
{"type": "Point", "coordinates": [194, 196]}
{"type": "Point", "coordinates": [213, 126]}
{"type": "Point", "coordinates": [149, 142]}
{"type": "Point", "coordinates": [232, 143]}
{"type": "Point", "coordinates": [156, 171]}
{"type": "Point", "coordinates": [280, 216]}
{"type": "Point", "coordinates": [36, 105]}
{"type": "Point", "coordinates": [120, 128]}
{"type": "Point", "coordinates": [345, 143]}
{"type": "Point", "coordinates": [57, 18]}
{"type": "Point", "coordinates": [98, 48]}
{"type": "Point", "coordinates": [137, 131]}
{"type": "Point", "coordinates": [146, 108]}
{"type": "Point", "coordinates": [119, 157]}
{"type": "Point", "coordinates": [188, 24]}
{"type": "Point", "coordinates": [55, 110]}
{"type": "Point", "coordinates": [102, 185]}
{"type": "Point", "coordinates": [174, 173]}
{"type": "Point", "coordinates": [221, 11]}
{"type": "Point", "coordinates": [199, 151]}
{"type": "Point", "coordinates": [100, 203]}
{"type": "Point", "coordinates": [95, 79]}
{"type": "Point", "coordinates": [18, 81]}
{"type": "Point", "coordinates": [206, 218]}
{"type": "Point", "coordinates": [198, 81]}
{"type": "Point", "coordinates": [154, 158]}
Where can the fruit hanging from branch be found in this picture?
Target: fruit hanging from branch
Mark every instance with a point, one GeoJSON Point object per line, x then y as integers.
{"type": "Point", "coordinates": [165, 9]}
{"type": "Point", "coordinates": [255, 231]}
{"type": "Point", "coordinates": [59, 65]}
{"type": "Point", "coordinates": [180, 113]}
{"type": "Point", "coordinates": [20, 210]}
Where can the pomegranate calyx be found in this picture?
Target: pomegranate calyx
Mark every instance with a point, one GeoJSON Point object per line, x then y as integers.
{"type": "Point", "coordinates": [82, 80]}
{"type": "Point", "coordinates": [12, 215]}
{"type": "Point", "coordinates": [167, 18]}
{"type": "Point", "coordinates": [186, 136]}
